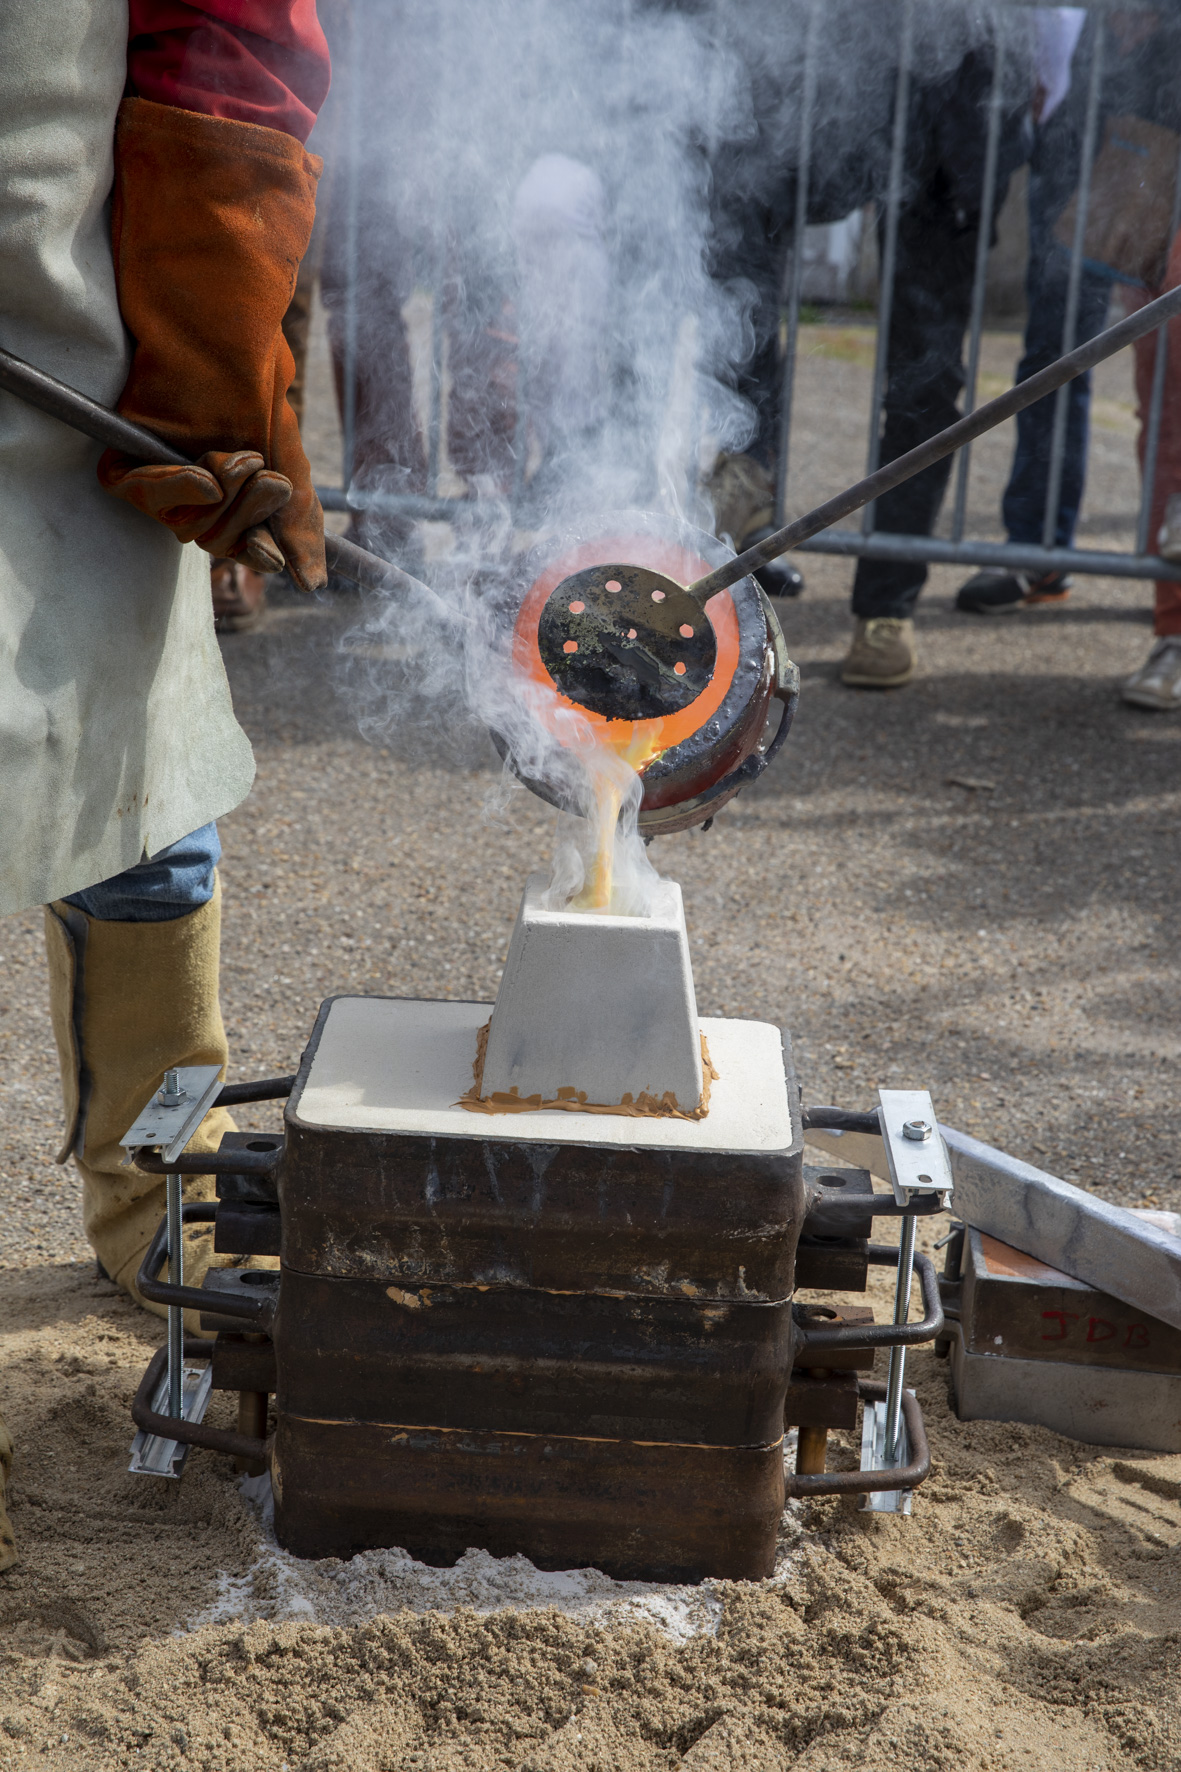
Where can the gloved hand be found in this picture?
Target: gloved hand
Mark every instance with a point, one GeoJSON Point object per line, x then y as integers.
{"type": "Point", "coordinates": [210, 219]}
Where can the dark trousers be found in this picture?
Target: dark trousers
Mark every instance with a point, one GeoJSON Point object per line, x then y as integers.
{"type": "Point", "coordinates": [925, 373]}
{"type": "Point", "coordinates": [1047, 276]}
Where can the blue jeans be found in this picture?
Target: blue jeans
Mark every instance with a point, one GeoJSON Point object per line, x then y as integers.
{"type": "Point", "coordinates": [1024, 504]}
{"type": "Point", "coordinates": [174, 882]}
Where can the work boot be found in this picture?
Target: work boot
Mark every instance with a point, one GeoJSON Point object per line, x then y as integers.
{"type": "Point", "coordinates": [128, 1001]}
{"type": "Point", "coordinates": [1003, 593]}
{"type": "Point", "coordinates": [882, 655]}
{"type": "Point", "coordinates": [8, 1553]}
{"type": "Point", "coordinates": [1157, 684]}
{"type": "Point", "coordinates": [239, 596]}
{"type": "Point", "coordinates": [743, 495]}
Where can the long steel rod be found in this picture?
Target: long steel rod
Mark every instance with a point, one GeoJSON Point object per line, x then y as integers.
{"type": "Point", "coordinates": [980, 270]}
{"type": "Point", "coordinates": [351, 255]}
{"type": "Point", "coordinates": [889, 265]}
{"type": "Point", "coordinates": [787, 373]}
{"type": "Point", "coordinates": [366, 569]}
{"type": "Point", "coordinates": [176, 1316]}
{"type": "Point", "coordinates": [1074, 283]}
{"type": "Point", "coordinates": [1157, 398]}
{"type": "Point", "coordinates": [965, 430]}
{"type": "Point", "coordinates": [83, 414]}
{"type": "Point", "coordinates": [897, 1369]}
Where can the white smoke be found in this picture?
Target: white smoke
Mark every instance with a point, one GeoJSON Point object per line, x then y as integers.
{"type": "Point", "coordinates": [573, 174]}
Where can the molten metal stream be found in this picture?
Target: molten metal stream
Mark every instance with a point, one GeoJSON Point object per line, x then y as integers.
{"type": "Point", "coordinates": [638, 751]}
{"type": "Point", "coordinates": [637, 742]}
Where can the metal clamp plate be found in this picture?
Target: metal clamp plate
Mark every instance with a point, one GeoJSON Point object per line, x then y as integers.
{"type": "Point", "coordinates": [915, 1151]}
{"type": "Point", "coordinates": [171, 1128]}
{"type": "Point", "coordinates": [873, 1458]}
{"type": "Point", "coordinates": [151, 1454]}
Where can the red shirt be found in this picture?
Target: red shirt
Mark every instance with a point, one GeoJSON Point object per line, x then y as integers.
{"type": "Point", "coordinates": [254, 61]}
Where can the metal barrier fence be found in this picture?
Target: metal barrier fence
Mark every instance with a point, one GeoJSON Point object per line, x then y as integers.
{"type": "Point", "coordinates": [867, 541]}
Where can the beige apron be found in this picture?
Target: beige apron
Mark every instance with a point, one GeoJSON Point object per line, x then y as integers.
{"type": "Point", "coordinates": [117, 733]}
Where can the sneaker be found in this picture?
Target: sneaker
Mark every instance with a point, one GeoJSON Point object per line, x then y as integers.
{"type": "Point", "coordinates": [1168, 539]}
{"type": "Point", "coordinates": [1157, 684]}
{"type": "Point", "coordinates": [882, 655]}
{"type": "Point", "coordinates": [239, 596]}
{"type": "Point", "coordinates": [1000, 593]}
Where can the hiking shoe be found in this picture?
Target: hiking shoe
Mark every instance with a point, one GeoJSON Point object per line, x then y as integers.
{"type": "Point", "coordinates": [1168, 539]}
{"type": "Point", "coordinates": [882, 655]}
{"type": "Point", "coordinates": [1157, 684]}
{"type": "Point", "coordinates": [1001, 593]}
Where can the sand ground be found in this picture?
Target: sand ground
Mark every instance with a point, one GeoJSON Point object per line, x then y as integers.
{"type": "Point", "coordinates": [965, 886]}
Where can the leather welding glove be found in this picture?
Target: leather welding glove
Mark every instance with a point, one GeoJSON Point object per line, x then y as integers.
{"type": "Point", "coordinates": [209, 221]}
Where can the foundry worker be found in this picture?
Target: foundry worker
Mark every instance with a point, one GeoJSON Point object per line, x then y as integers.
{"type": "Point", "coordinates": [157, 202]}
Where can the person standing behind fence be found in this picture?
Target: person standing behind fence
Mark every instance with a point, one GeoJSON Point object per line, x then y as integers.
{"type": "Point", "coordinates": [1059, 105]}
{"type": "Point", "coordinates": [1146, 96]}
{"type": "Point", "coordinates": [938, 228]}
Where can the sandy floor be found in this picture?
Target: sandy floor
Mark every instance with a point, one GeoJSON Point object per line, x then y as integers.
{"type": "Point", "coordinates": [965, 886]}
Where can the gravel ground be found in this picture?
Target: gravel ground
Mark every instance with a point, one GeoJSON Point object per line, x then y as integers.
{"type": "Point", "coordinates": [961, 885]}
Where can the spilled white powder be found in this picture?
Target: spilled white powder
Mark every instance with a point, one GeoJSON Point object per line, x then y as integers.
{"type": "Point", "coordinates": [278, 1586]}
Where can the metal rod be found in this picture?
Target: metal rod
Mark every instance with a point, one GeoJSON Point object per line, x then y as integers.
{"type": "Point", "coordinates": [86, 415]}
{"type": "Point", "coordinates": [1157, 399]}
{"type": "Point", "coordinates": [803, 169]}
{"type": "Point", "coordinates": [348, 415]}
{"type": "Point", "coordinates": [965, 430]}
{"type": "Point", "coordinates": [811, 1451]}
{"type": "Point", "coordinates": [176, 1316]}
{"type": "Point", "coordinates": [889, 253]}
{"type": "Point", "coordinates": [1074, 285]}
{"type": "Point", "coordinates": [435, 406]}
{"type": "Point", "coordinates": [1009, 556]}
{"type": "Point", "coordinates": [897, 1368]}
{"type": "Point", "coordinates": [83, 414]}
{"type": "Point", "coordinates": [980, 271]}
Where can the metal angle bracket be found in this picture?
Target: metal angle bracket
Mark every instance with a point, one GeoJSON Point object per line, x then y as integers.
{"type": "Point", "coordinates": [873, 1458]}
{"type": "Point", "coordinates": [151, 1454]}
{"type": "Point", "coordinates": [915, 1151]}
{"type": "Point", "coordinates": [171, 1117]}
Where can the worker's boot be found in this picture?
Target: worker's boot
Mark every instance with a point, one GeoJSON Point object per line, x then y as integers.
{"type": "Point", "coordinates": [882, 655]}
{"type": "Point", "coordinates": [743, 496]}
{"type": "Point", "coordinates": [130, 1000]}
{"type": "Point", "coordinates": [7, 1541]}
{"type": "Point", "coordinates": [239, 596]}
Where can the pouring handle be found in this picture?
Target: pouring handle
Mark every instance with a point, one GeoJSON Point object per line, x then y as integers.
{"type": "Point", "coordinates": [114, 431]}
{"type": "Point", "coordinates": [965, 430]}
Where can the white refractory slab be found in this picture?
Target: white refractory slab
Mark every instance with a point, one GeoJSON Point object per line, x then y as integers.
{"type": "Point", "coordinates": [397, 1064]}
{"type": "Point", "coordinates": [601, 1004]}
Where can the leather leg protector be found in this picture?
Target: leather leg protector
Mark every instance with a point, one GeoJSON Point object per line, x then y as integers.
{"type": "Point", "coordinates": [129, 1000]}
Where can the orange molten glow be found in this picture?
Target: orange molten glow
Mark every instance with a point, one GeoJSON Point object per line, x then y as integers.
{"type": "Point", "coordinates": [645, 738]}
{"type": "Point", "coordinates": [636, 741]}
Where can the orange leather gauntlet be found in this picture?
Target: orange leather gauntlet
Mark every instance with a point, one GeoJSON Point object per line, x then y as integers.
{"type": "Point", "coordinates": [210, 219]}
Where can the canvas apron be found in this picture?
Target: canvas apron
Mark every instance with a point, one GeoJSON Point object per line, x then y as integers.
{"type": "Point", "coordinates": [117, 734]}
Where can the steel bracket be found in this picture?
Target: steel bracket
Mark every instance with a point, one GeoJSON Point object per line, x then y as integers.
{"type": "Point", "coordinates": [151, 1454]}
{"type": "Point", "coordinates": [166, 1124]}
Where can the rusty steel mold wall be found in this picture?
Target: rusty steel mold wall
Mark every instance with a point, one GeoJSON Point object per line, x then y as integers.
{"type": "Point", "coordinates": [575, 1352]}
